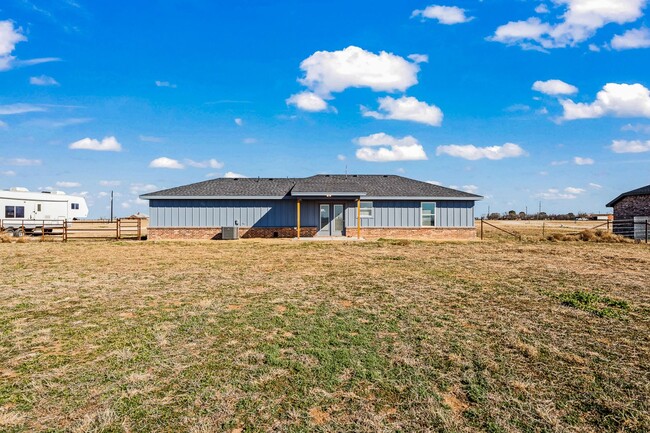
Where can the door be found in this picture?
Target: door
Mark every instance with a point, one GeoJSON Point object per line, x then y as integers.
{"type": "Point", "coordinates": [331, 220]}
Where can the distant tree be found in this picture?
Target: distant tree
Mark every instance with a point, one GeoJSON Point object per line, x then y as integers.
{"type": "Point", "coordinates": [542, 215]}
{"type": "Point", "coordinates": [522, 215]}
{"type": "Point", "coordinates": [512, 215]}
{"type": "Point", "coordinates": [571, 216]}
{"type": "Point", "coordinates": [494, 216]}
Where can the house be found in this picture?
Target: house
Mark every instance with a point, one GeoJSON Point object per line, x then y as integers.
{"type": "Point", "coordinates": [369, 206]}
{"type": "Point", "coordinates": [631, 209]}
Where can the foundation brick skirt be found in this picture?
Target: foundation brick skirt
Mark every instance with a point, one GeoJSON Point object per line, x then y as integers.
{"type": "Point", "coordinates": [214, 233]}
{"type": "Point", "coordinates": [207, 233]}
{"type": "Point", "coordinates": [442, 233]}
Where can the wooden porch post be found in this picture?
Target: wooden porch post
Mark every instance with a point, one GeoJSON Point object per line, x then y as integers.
{"type": "Point", "coordinates": [358, 218]}
{"type": "Point", "coordinates": [298, 216]}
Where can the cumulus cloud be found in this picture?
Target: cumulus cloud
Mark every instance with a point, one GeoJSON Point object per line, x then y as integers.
{"type": "Point", "coordinates": [473, 153]}
{"type": "Point", "coordinates": [640, 128]}
{"type": "Point", "coordinates": [578, 160]}
{"type": "Point", "coordinates": [110, 182]}
{"type": "Point", "coordinates": [43, 80]}
{"type": "Point", "coordinates": [341, 157]}
{"type": "Point", "coordinates": [619, 100]}
{"type": "Point", "coordinates": [210, 163]}
{"type": "Point", "coordinates": [419, 58]}
{"type": "Point", "coordinates": [444, 14]}
{"type": "Point", "coordinates": [141, 188]}
{"type": "Point", "coordinates": [542, 9]}
{"type": "Point", "coordinates": [580, 21]}
{"type": "Point", "coordinates": [327, 72]}
{"type": "Point", "coordinates": [406, 108]}
{"type": "Point", "coordinates": [107, 144]}
{"type": "Point", "coordinates": [9, 37]}
{"type": "Point", "coordinates": [165, 84]}
{"type": "Point", "coordinates": [233, 175]}
{"type": "Point", "coordinates": [8, 173]}
{"type": "Point", "coordinates": [23, 162]}
{"type": "Point", "coordinates": [635, 38]}
{"type": "Point", "coordinates": [20, 108]}
{"type": "Point", "coordinates": [554, 87]}
{"type": "Point", "coordinates": [239, 121]}
{"type": "Point", "coordinates": [569, 193]}
{"type": "Point", "coordinates": [633, 146]}
{"type": "Point", "coordinates": [308, 101]}
{"type": "Point", "coordinates": [382, 147]}
{"type": "Point", "coordinates": [66, 184]}
{"type": "Point", "coordinates": [164, 162]}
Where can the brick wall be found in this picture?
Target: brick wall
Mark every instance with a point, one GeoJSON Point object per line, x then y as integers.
{"type": "Point", "coordinates": [207, 233]}
{"type": "Point", "coordinates": [414, 233]}
{"type": "Point", "coordinates": [629, 207]}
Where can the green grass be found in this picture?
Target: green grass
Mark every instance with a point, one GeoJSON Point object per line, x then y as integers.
{"type": "Point", "coordinates": [285, 336]}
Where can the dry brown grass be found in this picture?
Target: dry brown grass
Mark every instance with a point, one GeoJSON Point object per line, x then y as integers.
{"type": "Point", "coordinates": [288, 336]}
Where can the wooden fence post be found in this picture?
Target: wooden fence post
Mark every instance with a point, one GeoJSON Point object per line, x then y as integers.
{"type": "Point", "coordinates": [117, 228]}
{"type": "Point", "coordinates": [481, 228]}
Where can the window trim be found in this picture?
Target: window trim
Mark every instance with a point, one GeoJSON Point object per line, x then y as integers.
{"type": "Point", "coordinates": [371, 209]}
{"type": "Point", "coordinates": [433, 214]}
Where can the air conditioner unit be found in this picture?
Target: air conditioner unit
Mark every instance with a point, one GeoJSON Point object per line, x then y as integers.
{"type": "Point", "coordinates": [230, 233]}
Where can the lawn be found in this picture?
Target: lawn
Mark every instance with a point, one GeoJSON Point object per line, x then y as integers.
{"type": "Point", "coordinates": [288, 336]}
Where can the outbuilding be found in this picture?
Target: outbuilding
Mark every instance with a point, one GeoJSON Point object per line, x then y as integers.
{"type": "Point", "coordinates": [631, 212]}
{"type": "Point", "coordinates": [368, 206]}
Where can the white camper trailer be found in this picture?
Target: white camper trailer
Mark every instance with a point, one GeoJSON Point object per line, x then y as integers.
{"type": "Point", "coordinates": [21, 208]}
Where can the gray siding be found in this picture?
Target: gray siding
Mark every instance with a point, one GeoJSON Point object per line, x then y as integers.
{"type": "Point", "coordinates": [408, 214]}
{"type": "Point", "coordinates": [282, 213]}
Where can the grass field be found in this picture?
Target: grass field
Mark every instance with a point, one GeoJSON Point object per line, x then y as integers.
{"type": "Point", "coordinates": [287, 336]}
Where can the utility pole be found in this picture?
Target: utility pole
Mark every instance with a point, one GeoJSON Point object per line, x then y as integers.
{"type": "Point", "coordinates": [111, 206]}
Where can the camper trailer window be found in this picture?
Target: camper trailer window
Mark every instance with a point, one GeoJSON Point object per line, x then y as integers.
{"type": "Point", "coordinates": [9, 212]}
{"type": "Point", "coordinates": [20, 211]}
{"type": "Point", "coordinates": [75, 206]}
{"type": "Point", "coordinates": [38, 207]}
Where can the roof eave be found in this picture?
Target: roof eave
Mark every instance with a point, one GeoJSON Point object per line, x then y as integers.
{"type": "Point", "coordinates": [212, 197]}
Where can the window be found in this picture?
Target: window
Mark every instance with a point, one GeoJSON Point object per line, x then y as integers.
{"type": "Point", "coordinates": [74, 206]}
{"type": "Point", "coordinates": [10, 212]}
{"type": "Point", "coordinates": [20, 211]}
{"type": "Point", "coordinates": [366, 209]}
{"type": "Point", "coordinates": [428, 214]}
{"type": "Point", "coordinates": [38, 207]}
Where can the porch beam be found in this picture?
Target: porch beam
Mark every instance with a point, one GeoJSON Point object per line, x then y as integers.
{"type": "Point", "coordinates": [358, 218]}
{"type": "Point", "coordinates": [298, 215]}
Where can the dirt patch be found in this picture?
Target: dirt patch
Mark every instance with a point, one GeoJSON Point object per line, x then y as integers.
{"type": "Point", "coordinates": [318, 416]}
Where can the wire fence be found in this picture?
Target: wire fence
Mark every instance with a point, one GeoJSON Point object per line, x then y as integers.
{"type": "Point", "coordinates": [637, 229]}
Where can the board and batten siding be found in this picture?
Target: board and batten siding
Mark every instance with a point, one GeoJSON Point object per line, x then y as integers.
{"type": "Point", "coordinates": [403, 213]}
{"type": "Point", "coordinates": [282, 213]}
{"type": "Point", "coordinates": [224, 213]}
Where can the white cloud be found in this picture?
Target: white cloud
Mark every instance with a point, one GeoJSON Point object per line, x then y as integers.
{"type": "Point", "coordinates": [382, 147]}
{"type": "Point", "coordinates": [406, 108]}
{"type": "Point", "coordinates": [150, 139]}
{"type": "Point", "coordinates": [210, 163]}
{"type": "Point", "coordinates": [3, 124]}
{"type": "Point", "coordinates": [594, 48]}
{"type": "Point", "coordinates": [542, 9]}
{"type": "Point", "coordinates": [580, 21]}
{"type": "Point", "coordinates": [141, 188]}
{"type": "Point", "coordinates": [9, 37]}
{"type": "Point", "coordinates": [164, 162]}
{"type": "Point", "coordinates": [444, 14]}
{"type": "Point", "coordinates": [640, 128]}
{"type": "Point", "coordinates": [232, 175]}
{"type": "Point", "coordinates": [110, 182]}
{"type": "Point", "coordinates": [473, 153]}
{"type": "Point", "coordinates": [239, 121]}
{"type": "Point", "coordinates": [328, 72]}
{"type": "Point", "coordinates": [165, 84]}
{"type": "Point", "coordinates": [472, 189]}
{"type": "Point", "coordinates": [619, 100]}
{"type": "Point", "coordinates": [341, 157]}
{"type": "Point", "coordinates": [8, 173]}
{"type": "Point", "coordinates": [107, 144]}
{"type": "Point", "coordinates": [557, 163]}
{"type": "Point", "coordinates": [634, 146]}
{"type": "Point", "coordinates": [57, 123]}
{"type": "Point", "coordinates": [554, 87]}
{"type": "Point", "coordinates": [635, 38]}
{"type": "Point", "coordinates": [419, 58]}
{"type": "Point", "coordinates": [569, 193]}
{"type": "Point", "coordinates": [23, 162]}
{"type": "Point", "coordinates": [249, 140]}
{"type": "Point", "coordinates": [308, 101]}
{"type": "Point", "coordinates": [43, 80]}
{"type": "Point", "coordinates": [583, 161]}
{"type": "Point", "coordinates": [66, 184]}
{"type": "Point", "coordinates": [433, 182]}
{"type": "Point", "coordinates": [19, 109]}
{"type": "Point", "coordinates": [595, 185]}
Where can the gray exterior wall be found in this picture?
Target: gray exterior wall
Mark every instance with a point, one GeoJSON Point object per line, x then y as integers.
{"type": "Point", "coordinates": [282, 213]}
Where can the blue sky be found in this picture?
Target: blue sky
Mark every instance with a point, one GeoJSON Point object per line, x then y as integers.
{"type": "Point", "coordinates": [519, 101]}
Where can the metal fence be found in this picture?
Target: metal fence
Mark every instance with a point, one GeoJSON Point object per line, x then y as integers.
{"type": "Point", "coordinates": [64, 230]}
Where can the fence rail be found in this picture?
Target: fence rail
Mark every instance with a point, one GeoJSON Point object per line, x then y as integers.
{"type": "Point", "coordinates": [637, 229]}
{"type": "Point", "coordinates": [64, 230]}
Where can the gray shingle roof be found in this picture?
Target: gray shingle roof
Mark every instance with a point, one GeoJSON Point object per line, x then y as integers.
{"type": "Point", "coordinates": [365, 185]}
{"type": "Point", "coordinates": [645, 190]}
